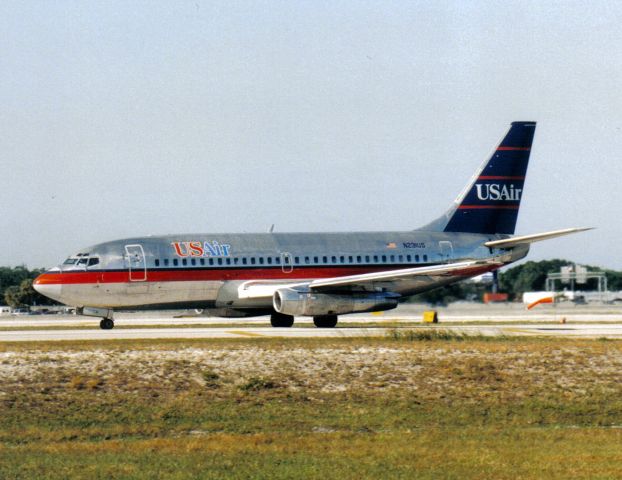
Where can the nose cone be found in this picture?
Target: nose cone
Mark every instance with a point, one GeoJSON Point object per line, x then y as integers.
{"type": "Point", "coordinates": [49, 286]}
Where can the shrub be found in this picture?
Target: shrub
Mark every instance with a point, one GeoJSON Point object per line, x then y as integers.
{"type": "Point", "coordinates": [255, 384]}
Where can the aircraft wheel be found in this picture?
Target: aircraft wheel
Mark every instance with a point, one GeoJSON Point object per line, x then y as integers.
{"type": "Point", "coordinates": [106, 324]}
{"type": "Point", "coordinates": [281, 320]}
{"type": "Point", "coordinates": [325, 321]}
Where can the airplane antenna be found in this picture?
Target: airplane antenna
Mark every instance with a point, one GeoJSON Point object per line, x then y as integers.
{"type": "Point", "coordinates": [271, 229]}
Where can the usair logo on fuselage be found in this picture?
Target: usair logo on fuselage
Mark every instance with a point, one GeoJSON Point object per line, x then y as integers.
{"type": "Point", "coordinates": [201, 249]}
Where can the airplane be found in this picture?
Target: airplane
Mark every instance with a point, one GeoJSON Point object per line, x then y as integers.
{"type": "Point", "coordinates": [320, 275]}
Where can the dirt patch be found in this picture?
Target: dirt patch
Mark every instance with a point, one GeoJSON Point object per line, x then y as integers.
{"type": "Point", "coordinates": [431, 370]}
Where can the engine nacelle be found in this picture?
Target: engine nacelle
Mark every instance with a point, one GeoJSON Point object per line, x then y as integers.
{"type": "Point", "coordinates": [294, 302]}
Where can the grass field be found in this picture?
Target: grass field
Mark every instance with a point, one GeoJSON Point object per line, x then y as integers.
{"type": "Point", "coordinates": [406, 406]}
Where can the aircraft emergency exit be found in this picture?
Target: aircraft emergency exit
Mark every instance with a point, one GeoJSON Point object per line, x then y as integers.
{"type": "Point", "coordinates": [321, 275]}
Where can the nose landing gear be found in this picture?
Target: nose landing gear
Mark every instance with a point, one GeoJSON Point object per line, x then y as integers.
{"type": "Point", "coordinates": [106, 324]}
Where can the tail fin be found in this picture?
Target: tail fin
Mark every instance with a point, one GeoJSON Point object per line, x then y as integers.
{"type": "Point", "coordinates": [490, 202]}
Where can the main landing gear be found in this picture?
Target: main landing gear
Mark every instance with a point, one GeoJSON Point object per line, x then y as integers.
{"type": "Point", "coordinates": [325, 321]}
{"type": "Point", "coordinates": [281, 320]}
{"type": "Point", "coordinates": [106, 324]}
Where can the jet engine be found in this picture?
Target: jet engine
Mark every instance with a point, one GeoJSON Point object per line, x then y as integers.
{"type": "Point", "coordinates": [294, 302]}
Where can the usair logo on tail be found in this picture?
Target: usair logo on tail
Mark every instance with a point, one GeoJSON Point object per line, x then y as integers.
{"type": "Point", "coordinates": [497, 192]}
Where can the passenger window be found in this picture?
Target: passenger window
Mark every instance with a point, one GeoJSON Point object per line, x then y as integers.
{"type": "Point", "coordinates": [392, 258]}
{"type": "Point", "coordinates": [252, 260]}
{"type": "Point", "coordinates": [376, 258]}
{"type": "Point", "coordinates": [269, 260]}
{"type": "Point", "coordinates": [184, 262]}
{"type": "Point", "coordinates": [235, 260]}
{"type": "Point", "coordinates": [260, 260]}
{"type": "Point", "coordinates": [400, 258]}
{"type": "Point", "coordinates": [408, 258]}
{"type": "Point", "coordinates": [211, 261]}
{"type": "Point", "coordinates": [202, 261]}
{"type": "Point", "coordinates": [334, 259]}
{"type": "Point", "coordinates": [307, 260]}
{"type": "Point", "coordinates": [384, 258]}
{"type": "Point", "coordinates": [157, 262]}
{"type": "Point", "coordinates": [367, 258]}
{"type": "Point", "coordinates": [166, 262]}
{"type": "Point", "coordinates": [277, 260]}
{"type": "Point", "coordinates": [416, 258]}
{"type": "Point", "coordinates": [425, 258]}
{"type": "Point", "coordinates": [175, 262]}
{"type": "Point", "coordinates": [193, 261]}
{"type": "Point", "coordinates": [219, 261]}
{"type": "Point", "coordinates": [244, 261]}
{"type": "Point", "coordinates": [342, 259]}
{"type": "Point", "coordinates": [358, 259]}
{"type": "Point", "coordinates": [228, 261]}
{"type": "Point", "coordinates": [297, 260]}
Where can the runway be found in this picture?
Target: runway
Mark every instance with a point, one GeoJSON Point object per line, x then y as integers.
{"type": "Point", "coordinates": [470, 319]}
{"type": "Point", "coordinates": [579, 324]}
{"type": "Point", "coordinates": [578, 330]}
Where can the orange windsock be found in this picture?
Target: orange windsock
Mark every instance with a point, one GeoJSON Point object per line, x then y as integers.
{"type": "Point", "coordinates": [541, 300]}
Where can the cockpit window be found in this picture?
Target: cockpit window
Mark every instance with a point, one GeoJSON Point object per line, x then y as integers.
{"type": "Point", "coordinates": [70, 261]}
{"type": "Point", "coordinates": [83, 261]}
{"type": "Point", "coordinates": [93, 261]}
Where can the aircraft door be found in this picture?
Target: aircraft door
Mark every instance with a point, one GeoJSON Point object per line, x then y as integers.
{"type": "Point", "coordinates": [446, 251]}
{"type": "Point", "coordinates": [136, 263]}
{"type": "Point", "coordinates": [287, 264]}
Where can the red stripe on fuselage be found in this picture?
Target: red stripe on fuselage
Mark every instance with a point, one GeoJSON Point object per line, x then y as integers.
{"type": "Point", "coordinates": [223, 274]}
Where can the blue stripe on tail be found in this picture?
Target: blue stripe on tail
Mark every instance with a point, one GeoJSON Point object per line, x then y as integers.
{"type": "Point", "coordinates": [490, 204]}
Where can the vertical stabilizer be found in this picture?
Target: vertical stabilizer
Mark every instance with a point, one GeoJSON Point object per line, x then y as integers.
{"type": "Point", "coordinates": [490, 202]}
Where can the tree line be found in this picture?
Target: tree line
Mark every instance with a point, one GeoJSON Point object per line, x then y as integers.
{"type": "Point", "coordinates": [16, 287]}
{"type": "Point", "coordinates": [526, 277]}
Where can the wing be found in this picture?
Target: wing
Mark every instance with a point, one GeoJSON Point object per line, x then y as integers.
{"type": "Point", "coordinates": [370, 281]}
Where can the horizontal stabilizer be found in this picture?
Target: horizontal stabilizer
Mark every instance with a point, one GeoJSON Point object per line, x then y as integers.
{"type": "Point", "coordinates": [537, 237]}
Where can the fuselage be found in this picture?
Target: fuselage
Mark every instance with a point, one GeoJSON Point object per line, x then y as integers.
{"type": "Point", "coordinates": [206, 270]}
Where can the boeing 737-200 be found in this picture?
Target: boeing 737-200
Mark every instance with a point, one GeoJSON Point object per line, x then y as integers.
{"type": "Point", "coordinates": [320, 275]}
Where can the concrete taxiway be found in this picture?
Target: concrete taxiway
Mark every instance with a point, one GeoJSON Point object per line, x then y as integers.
{"type": "Point", "coordinates": [575, 330]}
{"type": "Point", "coordinates": [474, 319]}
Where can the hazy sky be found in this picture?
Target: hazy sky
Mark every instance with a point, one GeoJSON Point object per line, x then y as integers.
{"type": "Point", "coordinates": [124, 118]}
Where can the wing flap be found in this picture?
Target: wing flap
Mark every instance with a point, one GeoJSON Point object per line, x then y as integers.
{"type": "Point", "coordinates": [469, 268]}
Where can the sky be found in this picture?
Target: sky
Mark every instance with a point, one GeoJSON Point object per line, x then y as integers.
{"type": "Point", "coordinates": [123, 119]}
